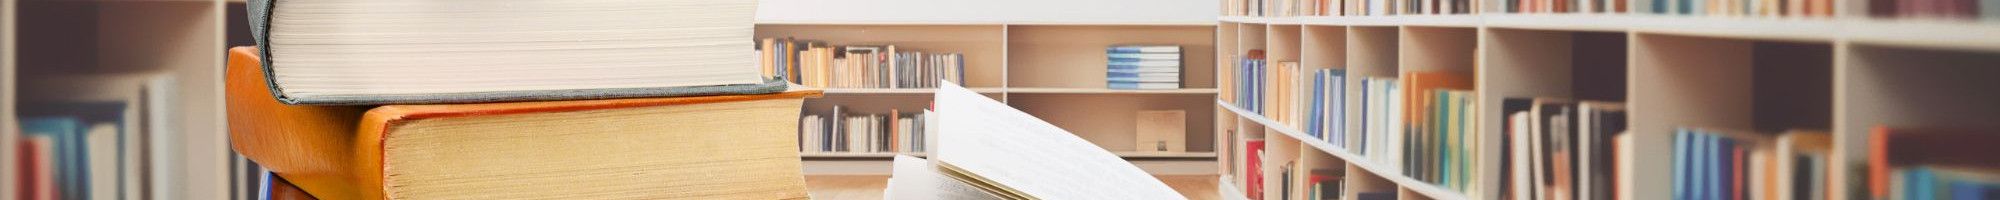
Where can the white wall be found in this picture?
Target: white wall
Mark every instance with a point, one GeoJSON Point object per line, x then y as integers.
{"type": "Point", "coordinates": [989, 11]}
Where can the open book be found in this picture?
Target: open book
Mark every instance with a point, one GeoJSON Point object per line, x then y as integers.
{"type": "Point", "coordinates": [1009, 154]}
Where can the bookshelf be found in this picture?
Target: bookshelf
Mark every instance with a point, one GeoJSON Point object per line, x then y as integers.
{"type": "Point", "coordinates": [103, 50]}
{"type": "Point", "coordinates": [1845, 74]}
{"type": "Point", "coordinates": [1054, 71]}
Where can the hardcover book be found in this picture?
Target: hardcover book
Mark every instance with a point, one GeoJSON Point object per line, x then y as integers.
{"type": "Point", "coordinates": [442, 51]}
{"type": "Point", "coordinates": [617, 148]}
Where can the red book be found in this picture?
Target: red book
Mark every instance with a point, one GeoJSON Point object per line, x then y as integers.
{"type": "Point", "coordinates": [1254, 168]}
{"type": "Point", "coordinates": [37, 170]}
{"type": "Point", "coordinates": [1737, 185]}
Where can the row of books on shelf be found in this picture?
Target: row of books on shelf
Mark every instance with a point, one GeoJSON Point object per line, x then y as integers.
{"type": "Point", "coordinates": [1940, 9]}
{"type": "Point", "coordinates": [88, 149]}
{"type": "Point", "coordinates": [847, 131]}
{"type": "Point", "coordinates": [1424, 130]}
{"type": "Point", "coordinates": [1738, 8]}
{"type": "Point", "coordinates": [1932, 9]}
{"type": "Point", "coordinates": [1559, 148]}
{"type": "Point", "coordinates": [1312, 184]}
{"type": "Point", "coordinates": [1294, 181]}
{"type": "Point", "coordinates": [1143, 67]}
{"type": "Point", "coordinates": [1294, 8]}
{"type": "Point", "coordinates": [1565, 6]}
{"type": "Point", "coordinates": [1932, 163]}
{"type": "Point", "coordinates": [818, 64]}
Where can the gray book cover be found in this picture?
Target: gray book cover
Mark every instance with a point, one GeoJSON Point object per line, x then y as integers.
{"type": "Point", "coordinates": [260, 14]}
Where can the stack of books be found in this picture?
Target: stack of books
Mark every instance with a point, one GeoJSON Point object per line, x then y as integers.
{"type": "Point", "coordinates": [1136, 67]}
{"type": "Point", "coordinates": [1326, 117]}
{"type": "Point", "coordinates": [1728, 8]}
{"type": "Point", "coordinates": [1438, 135]}
{"type": "Point", "coordinates": [1557, 148]}
{"type": "Point", "coordinates": [1984, 10]}
{"type": "Point", "coordinates": [844, 131]}
{"type": "Point", "coordinates": [535, 99]}
{"type": "Point", "coordinates": [1381, 124]}
{"type": "Point", "coordinates": [1250, 81]}
{"type": "Point", "coordinates": [817, 64]}
{"type": "Point", "coordinates": [94, 149]}
{"type": "Point", "coordinates": [1932, 163]}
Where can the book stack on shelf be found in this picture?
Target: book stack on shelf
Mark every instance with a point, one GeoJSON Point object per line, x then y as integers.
{"type": "Point", "coordinates": [1932, 163]}
{"type": "Point", "coordinates": [817, 64]}
{"type": "Point", "coordinates": [1326, 117]}
{"type": "Point", "coordinates": [1555, 148]}
{"type": "Point", "coordinates": [1732, 8]}
{"type": "Point", "coordinates": [1142, 67]}
{"type": "Point", "coordinates": [1282, 8]}
{"type": "Point", "coordinates": [1578, 6]}
{"type": "Point", "coordinates": [1250, 76]}
{"type": "Point", "coordinates": [895, 132]}
{"type": "Point", "coordinates": [1984, 10]}
{"type": "Point", "coordinates": [345, 110]}
{"type": "Point", "coordinates": [82, 149]}
{"type": "Point", "coordinates": [1381, 128]}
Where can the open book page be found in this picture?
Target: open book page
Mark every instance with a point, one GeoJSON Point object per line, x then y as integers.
{"type": "Point", "coordinates": [990, 144]}
{"type": "Point", "coordinates": [914, 178]}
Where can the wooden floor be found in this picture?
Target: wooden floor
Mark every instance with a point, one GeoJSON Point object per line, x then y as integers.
{"type": "Point", "coordinates": [870, 187]}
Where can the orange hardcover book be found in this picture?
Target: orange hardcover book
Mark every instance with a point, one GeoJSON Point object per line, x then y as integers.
{"type": "Point", "coordinates": [1419, 87]}
{"type": "Point", "coordinates": [306, 144]}
{"type": "Point", "coordinates": [641, 148]}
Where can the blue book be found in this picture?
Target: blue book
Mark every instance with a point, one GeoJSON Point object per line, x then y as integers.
{"type": "Point", "coordinates": [1725, 162]}
{"type": "Point", "coordinates": [1365, 98]}
{"type": "Point", "coordinates": [1338, 97]}
{"type": "Point", "coordinates": [1969, 190]}
{"type": "Point", "coordinates": [1313, 111]}
{"type": "Point", "coordinates": [1144, 56]}
{"type": "Point", "coordinates": [1134, 59]}
{"type": "Point", "coordinates": [1144, 63]}
{"type": "Point", "coordinates": [1923, 183]}
{"type": "Point", "coordinates": [1120, 68]}
{"type": "Point", "coordinates": [1142, 74]}
{"type": "Point", "coordinates": [1683, 146]}
{"type": "Point", "coordinates": [1142, 49]}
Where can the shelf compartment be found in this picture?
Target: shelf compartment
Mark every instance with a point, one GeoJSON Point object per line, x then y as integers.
{"type": "Point", "coordinates": [1110, 120]}
{"type": "Point", "coordinates": [1896, 86]}
{"type": "Point", "coordinates": [1714, 83]}
{"type": "Point", "coordinates": [1426, 49]}
{"type": "Point", "coordinates": [984, 46]}
{"type": "Point", "coordinates": [1062, 56]}
{"type": "Point", "coordinates": [1355, 162]}
{"type": "Point", "coordinates": [1543, 64]}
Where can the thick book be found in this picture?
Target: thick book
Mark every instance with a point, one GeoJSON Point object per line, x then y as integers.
{"type": "Point", "coordinates": [436, 51]}
{"type": "Point", "coordinates": [618, 148]}
{"type": "Point", "coordinates": [1038, 161]}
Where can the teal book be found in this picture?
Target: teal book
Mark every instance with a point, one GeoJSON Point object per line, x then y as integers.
{"type": "Point", "coordinates": [69, 152]}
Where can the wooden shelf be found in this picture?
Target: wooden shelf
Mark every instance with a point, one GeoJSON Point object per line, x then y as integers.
{"type": "Point", "coordinates": [1392, 174]}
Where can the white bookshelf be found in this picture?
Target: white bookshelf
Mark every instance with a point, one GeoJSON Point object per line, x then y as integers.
{"type": "Point", "coordinates": [1843, 74]}
{"type": "Point", "coordinates": [1053, 70]}
{"type": "Point", "coordinates": [1357, 161]}
{"type": "Point", "coordinates": [48, 46]}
